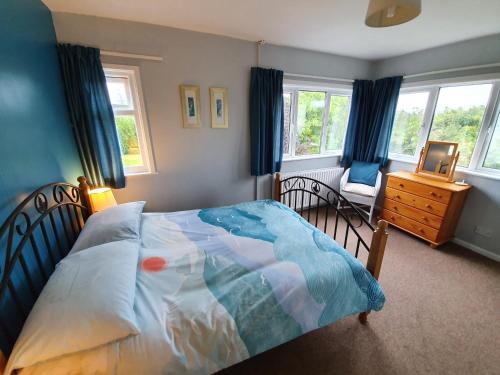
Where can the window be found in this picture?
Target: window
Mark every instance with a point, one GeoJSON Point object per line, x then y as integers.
{"type": "Point", "coordinates": [337, 122]}
{"type": "Point", "coordinates": [408, 123]}
{"type": "Point", "coordinates": [492, 159]}
{"type": "Point", "coordinates": [126, 99]}
{"type": "Point", "coordinates": [287, 101]}
{"type": "Point", "coordinates": [315, 121]}
{"type": "Point", "coordinates": [458, 117]}
{"type": "Point", "coordinates": [311, 109]}
{"type": "Point", "coordinates": [462, 113]}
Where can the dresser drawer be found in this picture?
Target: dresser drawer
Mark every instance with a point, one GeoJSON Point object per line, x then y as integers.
{"type": "Point", "coordinates": [417, 228]}
{"type": "Point", "coordinates": [413, 213]}
{"type": "Point", "coordinates": [425, 204]}
{"type": "Point", "coordinates": [426, 191]}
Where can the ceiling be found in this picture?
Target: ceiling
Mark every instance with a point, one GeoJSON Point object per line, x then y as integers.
{"type": "Point", "coordinates": [334, 26]}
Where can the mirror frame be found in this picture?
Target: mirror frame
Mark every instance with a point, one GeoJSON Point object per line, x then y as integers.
{"type": "Point", "coordinates": [453, 161]}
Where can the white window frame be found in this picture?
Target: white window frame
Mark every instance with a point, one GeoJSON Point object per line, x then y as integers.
{"type": "Point", "coordinates": [486, 130]}
{"type": "Point", "coordinates": [426, 121]}
{"type": "Point", "coordinates": [132, 73]}
{"type": "Point", "coordinates": [294, 87]}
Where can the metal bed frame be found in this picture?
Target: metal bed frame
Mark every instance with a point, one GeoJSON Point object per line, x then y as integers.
{"type": "Point", "coordinates": [43, 227]}
{"type": "Point", "coordinates": [34, 238]}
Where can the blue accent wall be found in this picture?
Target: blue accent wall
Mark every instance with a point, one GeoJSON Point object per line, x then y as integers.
{"type": "Point", "coordinates": [36, 140]}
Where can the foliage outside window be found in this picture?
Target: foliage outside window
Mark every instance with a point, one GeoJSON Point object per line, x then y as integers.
{"type": "Point", "coordinates": [315, 121]}
{"type": "Point", "coordinates": [408, 123]}
{"type": "Point", "coordinates": [458, 117]}
{"type": "Point", "coordinates": [287, 101]}
{"type": "Point", "coordinates": [338, 118]}
{"type": "Point", "coordinates": [124, 94]}
{"type": "Point", "coordinates": [311, 109]}
{"type": "Point", "coordinates": [461, 113]}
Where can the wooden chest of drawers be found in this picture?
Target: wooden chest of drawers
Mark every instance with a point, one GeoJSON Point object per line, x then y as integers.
{"type": "Point", "coordinates": [424, 207]}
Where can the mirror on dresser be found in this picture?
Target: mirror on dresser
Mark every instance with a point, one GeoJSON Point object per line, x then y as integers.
{"type": "Point", "coordinates": [438, 160]}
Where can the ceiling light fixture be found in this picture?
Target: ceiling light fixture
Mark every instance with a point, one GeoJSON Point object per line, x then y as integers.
{"type": "Point", "coordinates": [384, 13]}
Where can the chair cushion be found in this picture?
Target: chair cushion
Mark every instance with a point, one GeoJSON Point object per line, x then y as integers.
{"type": "Point", "coordinates": [363, 173]}
{"type": "Point", "coordinates": [360, 189]}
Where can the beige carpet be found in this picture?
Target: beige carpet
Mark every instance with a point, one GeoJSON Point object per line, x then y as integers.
{"type": "Point", "coordinates": [442, 316]}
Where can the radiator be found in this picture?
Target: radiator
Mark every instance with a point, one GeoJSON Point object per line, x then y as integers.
{"type": "Point", "coordinates": [328, 176]}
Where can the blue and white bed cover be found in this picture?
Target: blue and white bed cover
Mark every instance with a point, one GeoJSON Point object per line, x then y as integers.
{"type": "Point", "coordinates": [217, 286]}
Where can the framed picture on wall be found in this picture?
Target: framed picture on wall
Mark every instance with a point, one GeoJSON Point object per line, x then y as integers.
{"type": "Point", "coordinates": [191, 108]}
{"type": "Point", "coordinates": [218, 107]}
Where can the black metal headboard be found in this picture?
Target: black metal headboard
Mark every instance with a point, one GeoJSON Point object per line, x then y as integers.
{"type": "Point", "coordinates": [33, 239]}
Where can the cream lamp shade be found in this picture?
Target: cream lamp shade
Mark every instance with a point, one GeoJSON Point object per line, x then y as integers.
{"type": "Point", "coordinates": [101, 198]}
{"type": "Point", "coordinates": [383, 13]}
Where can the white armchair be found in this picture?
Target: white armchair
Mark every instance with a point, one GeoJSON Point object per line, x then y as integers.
{"type": "Point", "coordinates": [361, 194]}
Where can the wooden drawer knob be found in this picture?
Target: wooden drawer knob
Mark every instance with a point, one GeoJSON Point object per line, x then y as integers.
{"type": "Point", "coordinates": [393, 218]}
{"type": "Point", "coordinates": [421, 230]}
{"type": "Point", "coordinates": [395, 208]}
{"type": "Point", "coordinates": [428, 206]}
{"type": "Point", "coordinates": [425, 219]}
{"type": "Point", "coordinates": [401, 185]}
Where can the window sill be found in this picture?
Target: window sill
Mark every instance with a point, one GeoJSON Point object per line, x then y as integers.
{"type": "Point", "coordinates": [139, 174]}
{"type": "Point", "coordinates": [470, 172]}
{"type": "Point", "coordinates": [307, 157]}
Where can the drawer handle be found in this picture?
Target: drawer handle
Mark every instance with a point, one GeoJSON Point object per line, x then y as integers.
{"type": "Point", "coordinates": [395, 208]}
{"type": "Point", "coordinates": [435, 195]}
{"type": "Point", "coordinates": [401, 185]}
{"type": "Point", "coordinates": [425, 219]}
{"type": "Point", "coordinates": [398, 196]}
{"type": "Point", "coordinates": [393, 218]}
{"type": "Point", "coordinates": [428, 206]}
{"type": "Point", "coordinates": [421, 230]}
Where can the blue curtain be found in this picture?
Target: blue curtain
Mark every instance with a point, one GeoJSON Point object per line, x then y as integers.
{"type": "Point", "coordinates": [373, 108]}
{"type": "Point", "coordinates": [91, 115]}
{"type": "Point", "coordinates": [266, 120]}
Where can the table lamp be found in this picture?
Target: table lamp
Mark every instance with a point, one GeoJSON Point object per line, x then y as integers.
{"type": "Point", "coordinates": [101, 198]}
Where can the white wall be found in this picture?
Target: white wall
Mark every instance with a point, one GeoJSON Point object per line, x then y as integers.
{"type": "Point", "coordinates": [198, 167]}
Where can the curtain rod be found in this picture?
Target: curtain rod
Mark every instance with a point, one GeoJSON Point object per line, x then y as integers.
{"type": "Point", "coordinates": [131, 55]}
{"type": "Point", "coordinates": [319, 77]}
{"type": "Point", "coordinates": [451, 70]}
{"type": "Point", "coordinates": [493, 65]}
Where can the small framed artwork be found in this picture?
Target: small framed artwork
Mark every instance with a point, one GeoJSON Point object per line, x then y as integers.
{"type": "Point", "coordinates": [191, 108]}
{"type": "Point", "coordinates": [218, 107]}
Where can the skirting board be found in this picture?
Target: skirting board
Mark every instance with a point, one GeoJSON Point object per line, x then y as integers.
{"type": "Point", "coordinates": [477, 249]}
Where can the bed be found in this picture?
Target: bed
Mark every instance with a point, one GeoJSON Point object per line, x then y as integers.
{"type": "Point", "coordinates": [205, 289]}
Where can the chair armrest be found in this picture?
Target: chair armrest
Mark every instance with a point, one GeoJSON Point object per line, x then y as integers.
{"type": "Point", "coordinates": [378, 183]}
{"type": "Point", "coordinates": [344, 179]}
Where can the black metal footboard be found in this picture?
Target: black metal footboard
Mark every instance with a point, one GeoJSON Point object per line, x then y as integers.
{"type": "Point", "coordinates": [320, 204]}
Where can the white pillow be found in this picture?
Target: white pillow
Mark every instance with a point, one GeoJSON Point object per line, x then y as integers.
{"type": "Point", "coordinates": [87, 302]}
{"type": "Point", "coordinates": [121, 222]}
